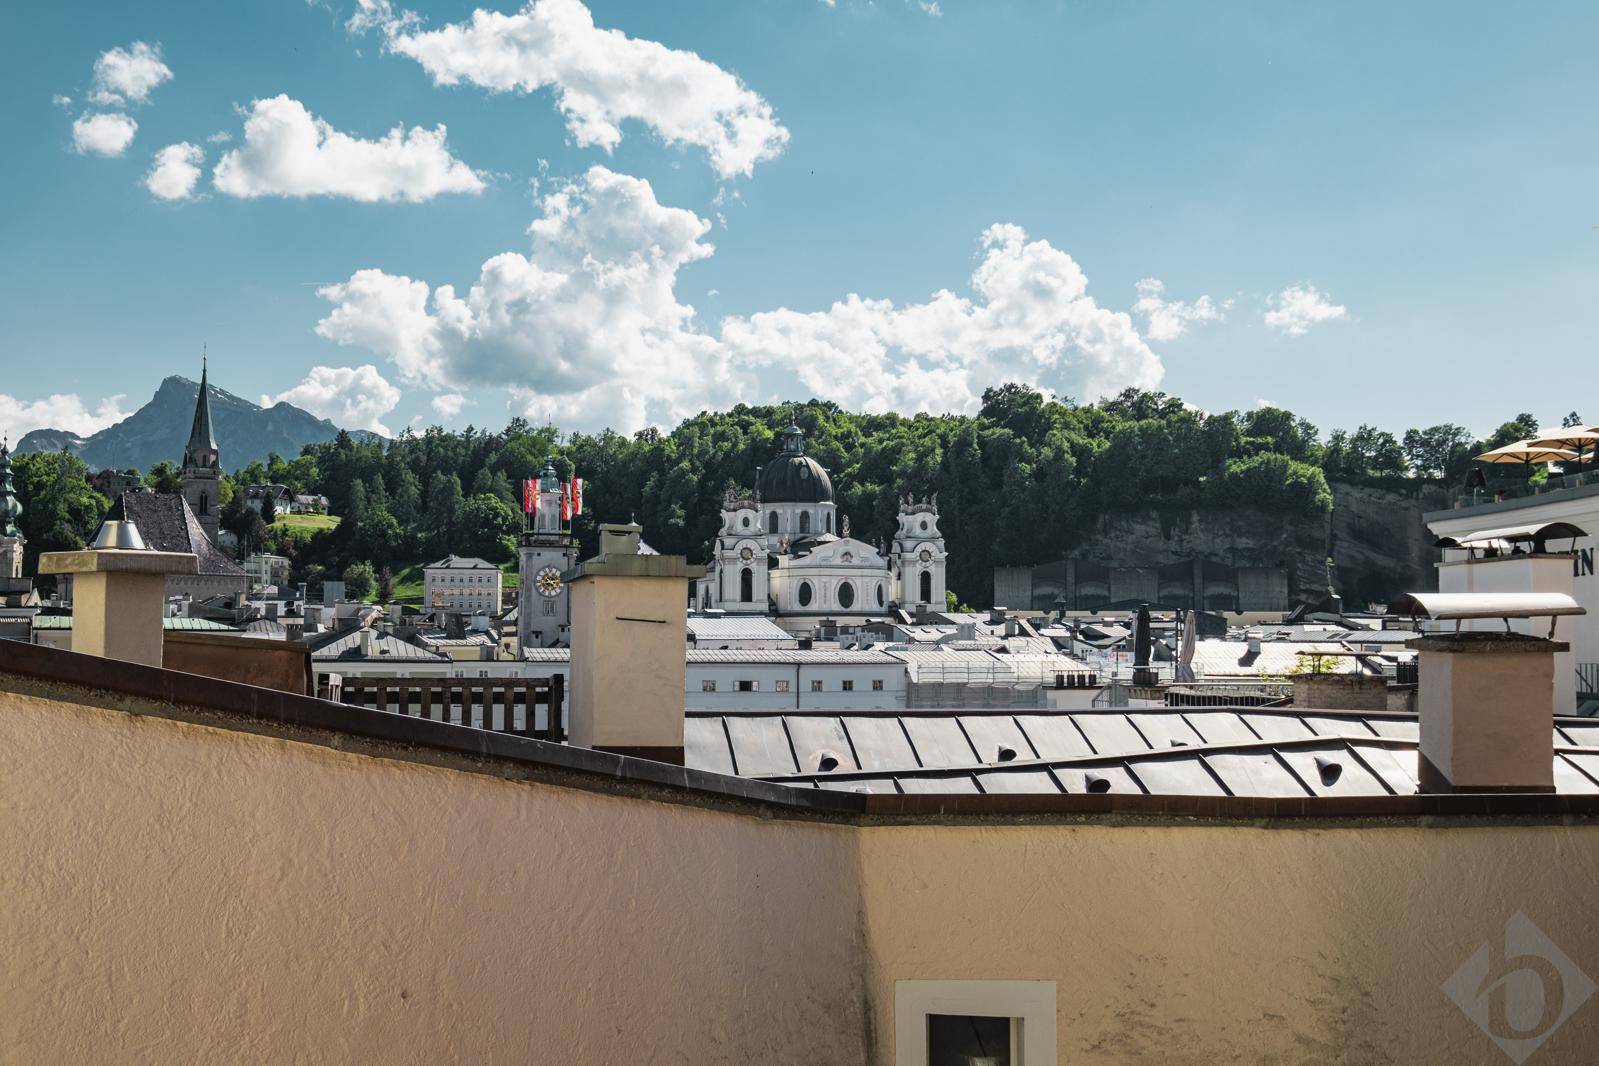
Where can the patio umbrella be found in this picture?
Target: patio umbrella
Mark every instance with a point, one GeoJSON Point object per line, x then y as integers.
{"type": "Point", "coordinates": [1185, 650]}
{"type": "Point", "coordinates": [1526, 451]}
{"type": "Point", "coordinates": [1582, 438]}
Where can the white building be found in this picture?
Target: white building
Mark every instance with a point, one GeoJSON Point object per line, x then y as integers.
{"type": "Point", "coordinates": [265, 568]}
{"type": "Point", "coordinates": [797, 678]}
{"type": "Point", "coordinates": [457, 583]}
{"type": "Point", "coordinates": [737, 632]}
{"type": "Point", "coordinates": [786, 552]}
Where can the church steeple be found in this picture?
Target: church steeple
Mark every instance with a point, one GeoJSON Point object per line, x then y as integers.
{"type": "Point", "coordinates": [11, 538]}
{"type": "Point", "coordinates": [202, 463]}
{"type": "Point", "coordinates": [201, 450]}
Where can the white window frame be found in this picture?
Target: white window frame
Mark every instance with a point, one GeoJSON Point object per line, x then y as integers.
{"type": "Point", "coordinates": [1029, 1004]}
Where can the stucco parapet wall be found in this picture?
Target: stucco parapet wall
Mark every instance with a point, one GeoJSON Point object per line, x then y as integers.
{"type": "Point", "coordinates": [1487, 644]}
{"type": "Point", "coordinates": [51, 673]}
{"type": "Point", "coordinates": [1489, 507]}
{"type": "Point", "coordinates": [119, 561]}
{"type": "Point", "coordinates": [668, 566]}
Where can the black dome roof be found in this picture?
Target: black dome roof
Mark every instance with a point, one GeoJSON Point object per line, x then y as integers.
{"type": "Point", "coordinates": [794, 477]}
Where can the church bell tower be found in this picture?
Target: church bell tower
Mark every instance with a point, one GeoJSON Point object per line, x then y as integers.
{"type": "Point", "coordinates": [543, 608]}
{"type": "Point", "coordinates": [201, 477]}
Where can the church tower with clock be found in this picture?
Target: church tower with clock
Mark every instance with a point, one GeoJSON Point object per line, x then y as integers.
{"type": "Point", "coordinates": [918, 557]}
{"type": "Point", "coordinates": [543, 611]}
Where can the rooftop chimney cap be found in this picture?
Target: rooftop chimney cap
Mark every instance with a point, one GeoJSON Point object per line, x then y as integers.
{"type": "Point", "coordinates": [1455, 606]}
{"type": "Point", "coordinates": [119, 534]}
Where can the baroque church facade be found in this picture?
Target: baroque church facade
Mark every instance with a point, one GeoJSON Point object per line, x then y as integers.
{"type": "Point", "coordinates": [785, 552]}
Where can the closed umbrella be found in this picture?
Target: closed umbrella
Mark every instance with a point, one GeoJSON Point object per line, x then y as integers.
{"type": "Point", "coordinates": [1185, 651]}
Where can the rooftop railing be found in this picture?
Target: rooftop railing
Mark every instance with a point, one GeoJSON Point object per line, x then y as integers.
{"type": "Point", "coordinates": [1515, 490]}
{"type": "Point", "coordinates": [503, 706]}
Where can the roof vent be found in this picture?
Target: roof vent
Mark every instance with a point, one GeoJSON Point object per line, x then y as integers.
{"type": "Point", "coordinates": [827, 762]}
{"type": "Point", "coordinates": [115, 533]}
{"type": "Point", "coordinates": [1096, 784]}
{"type": "Point", "coordinates": [1176, 742]}
{"type": "Point", "coordinates": [1329, 769]}
{"type": "Point", "coordinates": [1005, 754]}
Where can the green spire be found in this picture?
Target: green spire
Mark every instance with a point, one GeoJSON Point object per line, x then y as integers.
{"type": "Point", "coordinates": [200, 436]}
{"type": "Point", "coordinates": [10, 506]}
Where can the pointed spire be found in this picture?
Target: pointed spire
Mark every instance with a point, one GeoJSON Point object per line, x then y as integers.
{"type": "Point", "coordinates": [201, 437]}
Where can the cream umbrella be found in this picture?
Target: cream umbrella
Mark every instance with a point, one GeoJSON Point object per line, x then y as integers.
{"type": "Point", "coordinates": [1526, 451]}
{"type": "Point", "coordinates": [1582, 438]}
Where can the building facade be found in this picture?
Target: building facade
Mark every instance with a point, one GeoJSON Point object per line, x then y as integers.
{"type": "Point", "coordinates": [264, 568]}
{"type": "Point", "coordinates": [546, 553]}
{"type": "Point", "coordinates": [461, 583]}
{"type": "Point", "coordinates": [785, 552]}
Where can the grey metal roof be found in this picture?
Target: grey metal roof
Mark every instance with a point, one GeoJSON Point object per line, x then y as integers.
{"type": "Point", "coordinates": [461, 562]}
{"type": "Point", "coordinates": [384, 647]}
{"type": "Point", "coordinates": [547, 655]}
{"type": "Point", "coordinates": [1323, 754]}
{"type": "Point", "coordinates": [736, 627]}
{"type": "Point", "coordinates": [792, 656]}
{"type": "Point", "coordinates": [901, 741]}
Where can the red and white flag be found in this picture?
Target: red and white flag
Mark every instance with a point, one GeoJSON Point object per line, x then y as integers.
{"type": "Point", "coordinates": [577, 495]}
{"type": "Point", "coordinates": [529, 495]}
{"type": "Point", "coordinates": [566, 501]}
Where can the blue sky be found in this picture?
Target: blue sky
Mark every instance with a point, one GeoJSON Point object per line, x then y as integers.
{"type": "Point", "coordinates": [1378, 213]}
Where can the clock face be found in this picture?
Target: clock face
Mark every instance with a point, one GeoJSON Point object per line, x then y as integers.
{"type": "Point", "coordinates": [547, 581]}
{"type": "Point", "coordinates": [746, 553]}
{"type": "Point", "coordinates": [926, 556]}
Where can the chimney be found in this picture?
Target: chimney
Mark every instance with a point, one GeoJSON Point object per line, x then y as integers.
{"type": "Point", "coordinates": [366, 642]}
{"type": "Point", "coordinates": [119, 590]}
{"type": "Point", "coordinates": [628, 636]}
{"type": "Point", "coordinates": [1486, 698]}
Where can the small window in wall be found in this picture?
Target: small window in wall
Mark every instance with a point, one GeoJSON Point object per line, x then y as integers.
{"type": "Point", "coordinates": [771, 522]}
{"type": "Point", "coordinates": [707, 686]}
{"type": "Point", "coordinates": [830, 521]}
{"type": "Point", "coordinates": [782, 685]}
{"type": "Point", "coordinates": [954, 1023]}
{"type": "Point", "coordinates": [846, 595]}
{"type": "Point", "coordinates": [816, 686]}
{"type": "Point", "coordinates": [805, 522]}
{"type": "Point", "coordinates": [805, 594]}
{"type": "Point", "coordinates": [877, 684]}
{"type": "Point", "coordinates": [549, 606]}
{"type": "Point", "coordinates": [747, 686]}
{"type": "Point", "coordinates": [847, 686]}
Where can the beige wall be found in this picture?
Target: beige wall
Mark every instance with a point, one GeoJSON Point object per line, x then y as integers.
{"type": "Point", "coordinates": [628, 668]}
{"type": "Point", "coordinates": [1206, 945]}
{"type": "Point", "coordinates": [180, 893]}
{"type": "Point", "coordinates": [175, 893]}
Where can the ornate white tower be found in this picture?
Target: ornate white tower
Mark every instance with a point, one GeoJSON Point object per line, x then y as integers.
{"type": "Point", "coordinates": [741, 574]}
{"type": "Point", "coordinates": [202, 465]}
{"type": "Point", "coordinates": [918, 556]}
{"type": "Point", "coordinates": [544, 613]}
{"type": "Point", "coordinates": [11, 539]}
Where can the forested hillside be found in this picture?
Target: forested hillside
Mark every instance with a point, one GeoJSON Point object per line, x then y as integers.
{"type": "Point", "coordinates": [1020, 482]}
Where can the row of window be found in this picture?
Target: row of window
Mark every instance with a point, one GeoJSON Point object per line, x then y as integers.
{"type": "Point", "coordinates": [782, 685]}
{"type": "Point", "coordinates": [461, 579]}
{"type": "Point", "coordinates": [824, 524]}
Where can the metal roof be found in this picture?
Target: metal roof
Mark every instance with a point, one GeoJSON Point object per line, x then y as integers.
{"type": "Point", "coordinates": [736, 627]}
{"type": "Point", "coordinates": [201, 625]}
{"type": "Point", "coordinates": [792, 656]}
{"type": "Point", "coordinates": [1212, 752]}
{"type": "Point", "coordinates": [384, 647]}
{"type": "Point", "coordinates": [1462, 605]}
{"type": "Point", "coordinates": [461, 562]}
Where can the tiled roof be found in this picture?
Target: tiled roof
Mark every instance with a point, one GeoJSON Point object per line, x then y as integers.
{"type": "Point", "coordinates": [166, 524]}
{"type": "Point", "coordinates": [1218, 752]}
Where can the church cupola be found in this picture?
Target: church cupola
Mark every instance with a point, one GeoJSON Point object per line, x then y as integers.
{"type": "Point", "coordinates": [11, 538]}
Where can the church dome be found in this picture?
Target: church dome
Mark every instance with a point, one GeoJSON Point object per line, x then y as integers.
{"type": "Point", "coordinates": [794, 477]}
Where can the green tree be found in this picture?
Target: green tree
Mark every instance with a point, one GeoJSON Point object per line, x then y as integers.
{"type": "Point", "coordinates": [487, 523]}
{"type": "Point", "coordinates": [359, 580]}
{"type": "Point", "coordinates": [1442, 451]}
{"type": "Point", "coordinates": [164, 477]}
{"type": "Point", "coordinates": [60, 511]}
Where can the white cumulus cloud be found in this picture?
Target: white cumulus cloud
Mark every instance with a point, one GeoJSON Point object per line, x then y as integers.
{"type": "Point", "coordinates": [601, 77]}
{"type": "Point", "coordinates": [176, 171]}
{"type": "Point", "coordinates": [448, 404]}
{"type": "Point", "coordinates": [287, 151]}
{"type": "Point", "coordinates": [1299, 307]}
{"type": "Point", "coordinates": [64, 410]}
{"type": "Point", "coordinates": [349, 397]}
{"type": "Point", "coordinates": [587, 330]}
{"type": "Point", "coordinates": [1167, 319]}
{"type": "Point", "coordinates": [127, 75]}
{"type": "Point", "coordinates": [103, 134]}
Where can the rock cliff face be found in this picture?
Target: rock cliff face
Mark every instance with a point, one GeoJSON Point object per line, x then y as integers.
{"type": "Point", "coordinates": [1374, 537]}
{"type": "Point", "coordinates": [245, 431]}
